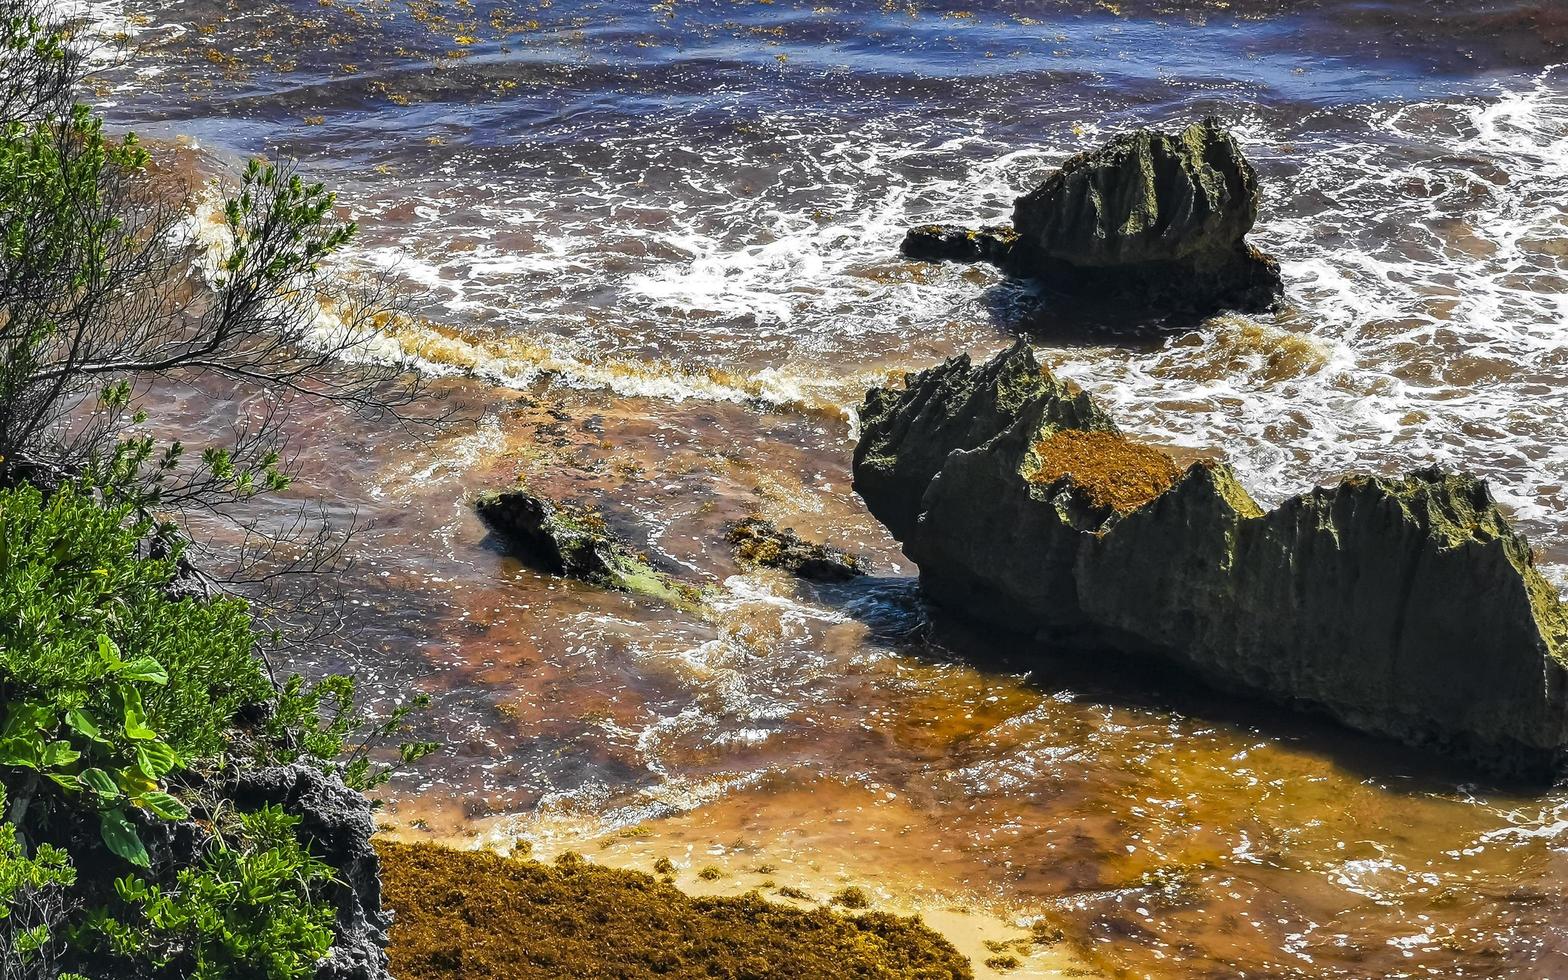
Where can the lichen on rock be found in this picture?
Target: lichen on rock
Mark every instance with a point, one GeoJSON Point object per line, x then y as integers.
{"type": "Point", "coordinates": [1148, 219]}
{"type": "Point", "coordinates": [1109, 469]}
{"type": "Point", "coordinates": [1401, 606]}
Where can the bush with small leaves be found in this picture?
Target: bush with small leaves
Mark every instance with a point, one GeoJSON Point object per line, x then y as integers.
{"type": "Point", "coordinates": [32, 905]}
{"type": "Point", "coordinates": [248, 911]}
{"type": "Point", "coordinates": [109, 681]}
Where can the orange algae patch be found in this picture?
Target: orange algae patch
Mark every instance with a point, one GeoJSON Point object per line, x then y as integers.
{"type": "Point", "coordinates": [1110, 469]}
{"type": "Point", "coordinates": [467, 915]}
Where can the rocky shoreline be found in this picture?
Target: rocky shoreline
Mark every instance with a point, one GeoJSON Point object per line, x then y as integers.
{"type": "Point", "coordinates": [1404, 607]}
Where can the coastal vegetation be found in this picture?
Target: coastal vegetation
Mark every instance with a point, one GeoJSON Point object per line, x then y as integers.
{"type": "Point", "coordinates": [172, 807]}
{"type": "Point", "coordinates": [137, 706]}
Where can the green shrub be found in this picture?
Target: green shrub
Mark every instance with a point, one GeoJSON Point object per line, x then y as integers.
{"type": "Point", "coordinates": [246, 911]}
{"type": "Point", "coordinates": [322, 723]}
{"type": "Point", "coordinates": [32, 903]}
{"type": "Point", "coordinates": [110, 683]}
{"type": "Point", "coordinates": [70, 573]}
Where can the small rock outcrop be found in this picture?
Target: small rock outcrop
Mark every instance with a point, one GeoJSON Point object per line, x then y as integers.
{"type": "Point", "coordinates": [1148, 219]}
{"type": "Point", "coordinates": [558, 539]}
{"type": "Point", "coordinates": [1404, 607]}
{"type": "Point", "coordinates": [937, 243]}
{"type": "Point", "coordinates": [337, 823]}
{"type": "Point", "coordinates": [759, 543]}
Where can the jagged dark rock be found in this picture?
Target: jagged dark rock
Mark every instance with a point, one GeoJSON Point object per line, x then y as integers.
{"type": "Point", "coordinates": [760, 543]}
{"type": "Point", "coordinates": [907, 434]}
{"type": "Point", "coordinates": [563, 540]}
{"type": "Point", "coordinates": [337, 823]}
{"type": "Point", "coordinates": [1148, 219]}
{"type": "Point", "coordinates": [936, 243]}
{"type": "Point", "coordinates": [1404, 607]}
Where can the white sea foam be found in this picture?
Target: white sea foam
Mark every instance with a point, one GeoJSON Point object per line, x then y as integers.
{"type": "Point", "coordinates": [1422, 243]}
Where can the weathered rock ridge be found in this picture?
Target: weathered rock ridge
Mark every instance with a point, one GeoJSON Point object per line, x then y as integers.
{"type": "Point", "coordinates": [1148, 219]}
{"type": "Point", "coordinates": [1405, 607]}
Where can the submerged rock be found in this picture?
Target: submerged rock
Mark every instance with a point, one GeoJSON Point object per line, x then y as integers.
{"type": "Point", "coordinates": [1149, 218]}
{"type": "Point", "coordinates": [1405, 607]}
{"type": "Point", "coordinates": [561, 540]}
{"type": "Point", "coordinates": [760, 543]}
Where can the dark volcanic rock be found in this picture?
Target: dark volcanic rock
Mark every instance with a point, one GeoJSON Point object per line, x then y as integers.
{"type": "Point", "coordinates": [1406, 607]}
{"type": "Point", "coordinates": [1148, 219]}
{"type": "Point", "coordinates": [760, 543]}
{"type": "Point", "coordinates": [553, 539]}
{"type": "Point", "coordinates": [337, 823]}
{"type": "Point", "coordinates": [907, 434]}
{"type": "Point", "coordinates": [562, 540]}
{"type": "Point", "coordinates": [935, 243]}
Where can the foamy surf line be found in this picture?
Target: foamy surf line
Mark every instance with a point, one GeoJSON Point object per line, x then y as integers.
{"type": "Point", "coordinates": [519, 362]}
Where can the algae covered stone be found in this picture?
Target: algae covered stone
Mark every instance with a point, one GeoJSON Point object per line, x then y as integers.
{"type": "Point", "coordinates": [1406, 606]}
{"type": "Point", "coordinates": [1148, 219]}
{"type": "Point", "coordinates": [559, 539]}
{"type": "Point", "coordinates": [760, 543]}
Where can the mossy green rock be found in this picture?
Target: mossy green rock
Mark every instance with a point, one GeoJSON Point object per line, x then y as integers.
{"type": "Point", "coordinates": [1148, 219]}
{"type": "Point", "coordinates": [1404, 607]}
{"type": "Point", "coordinates": [907, 434]}
{"type": "Point", "coordinates": [560, 540]}
{"type": "Point", "coordinates": [760, 543]}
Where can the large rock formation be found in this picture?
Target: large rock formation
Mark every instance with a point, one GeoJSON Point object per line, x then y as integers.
{"type": "Point", "coordinates": [1148, 219]}
{"type": "Point", "coordinates": [1406, 607]}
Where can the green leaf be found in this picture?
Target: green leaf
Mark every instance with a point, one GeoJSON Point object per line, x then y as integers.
{"type": "Point", "coordinates": [144, 669]}
{"type": "Point", "coordinates": [155, 759]}
{"type": "Point", "coordinates": [79, 721]}
{"type": "Point", "coordinates": [120, 836]}
{"type": "Point", "coordinates": [135, 715]}
{"type": "Point", "coordinates": [164, 805]}
{"type": "Point", "coordinates": [66, 781]}
{"type": "Point", "coordinates": [58, 754]}
{"type": "Point", "coordinates": [18, 752]}
{"type": "Point", "coordinates": [23, 718]}
{"type": "Point", "coordinates": [108, 652]}
{"type": "Point", "coordinates": [100, 782]}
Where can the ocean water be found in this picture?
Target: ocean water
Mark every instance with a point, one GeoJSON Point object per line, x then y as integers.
{"type": "Point", "coordinates": [656, 253]}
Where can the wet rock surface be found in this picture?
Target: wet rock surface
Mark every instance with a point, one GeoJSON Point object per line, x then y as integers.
{"type": "Point", "coordinates": [951, 243]}
{"type": "Point", "coordinates": [558, 539]}
{"type": "Point", "coordinates": [1148, 219]}
{"type": "Point", "coordinates": [760, 543]}
{"type": "Point", "coordinates": [1406, 607]}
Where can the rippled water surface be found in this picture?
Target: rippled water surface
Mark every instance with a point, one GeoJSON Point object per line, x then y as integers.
{"type": "Point", "coordinates": [658, 248]}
